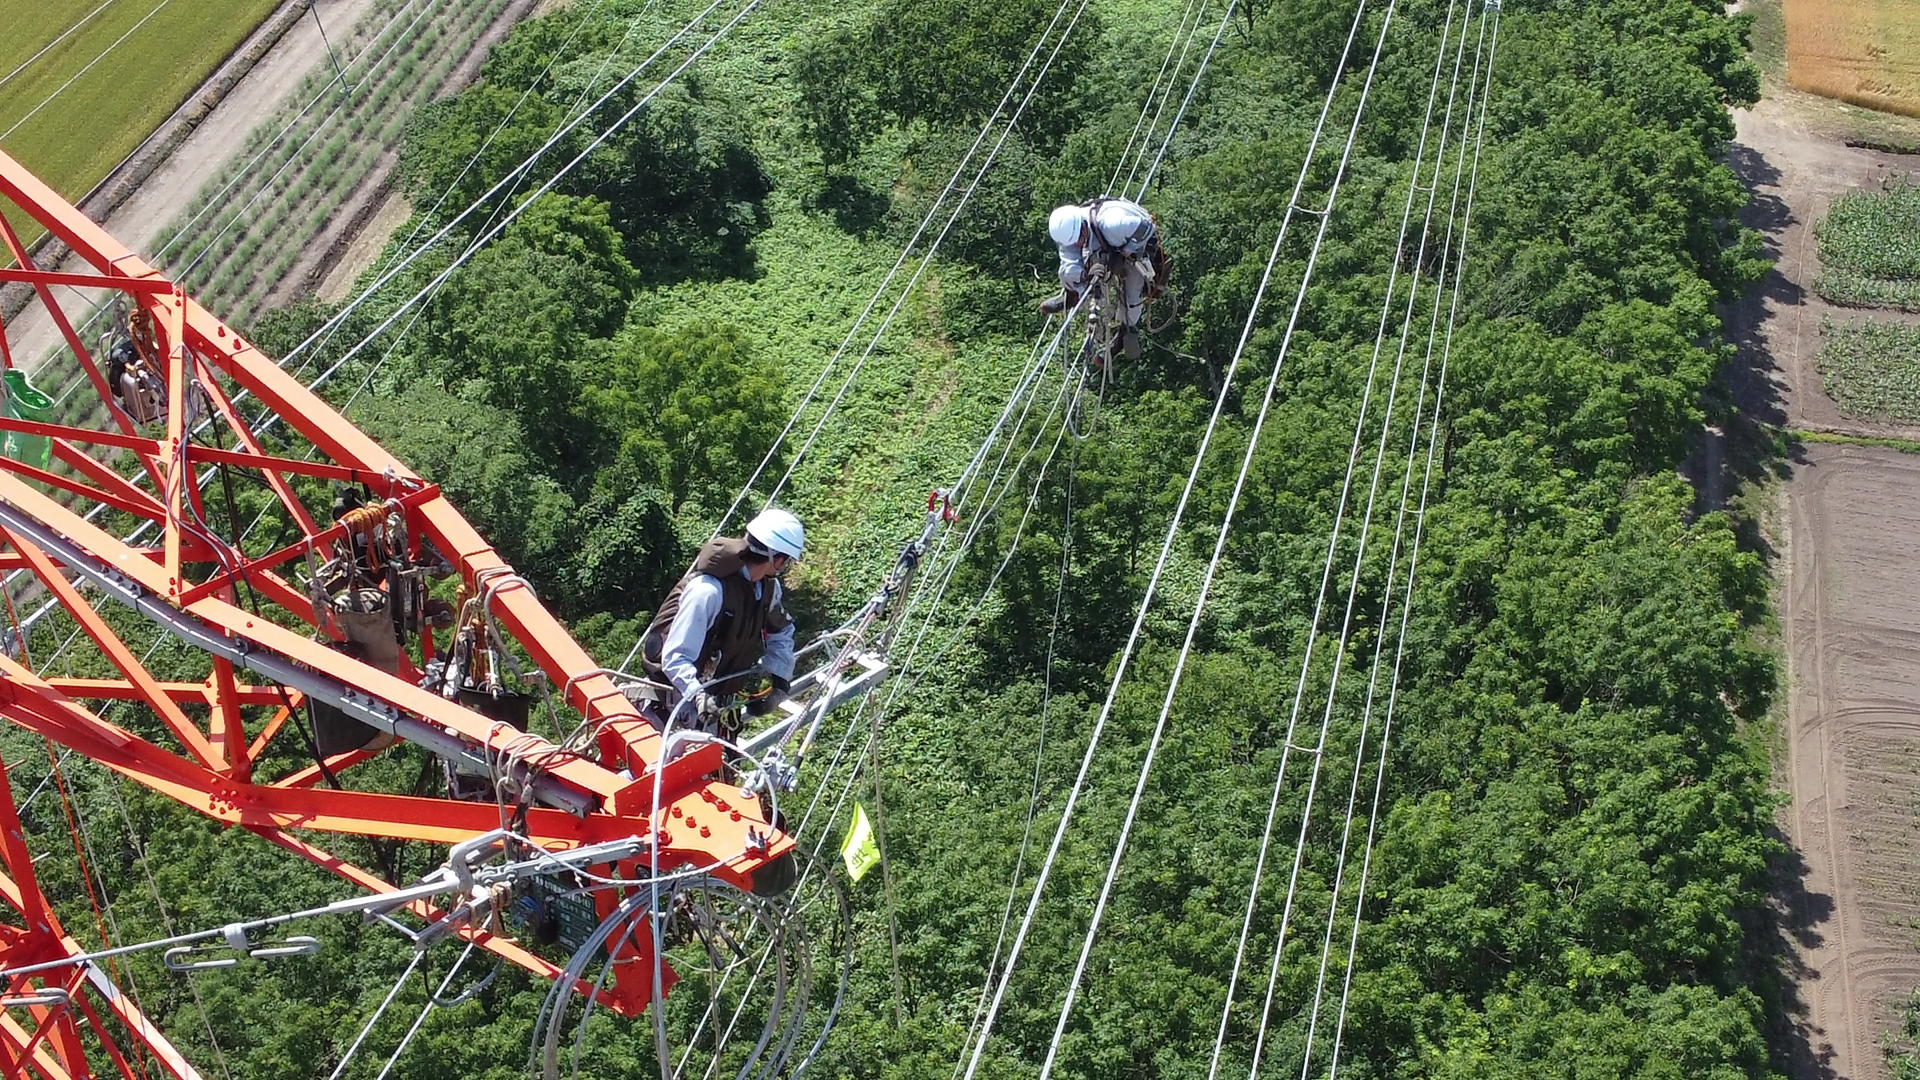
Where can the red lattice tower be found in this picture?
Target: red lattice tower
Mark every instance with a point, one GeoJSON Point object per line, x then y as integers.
{"type": "Point", "coordinates": [287, 658]}
{"type": "Point", "coordinates": [45, 1016]}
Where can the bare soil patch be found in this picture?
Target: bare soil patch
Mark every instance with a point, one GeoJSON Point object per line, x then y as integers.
{"type": "Point", "coordinates": [363, 247]}
{"type": "Point", "coordinates": [1853, 752]}
{"type": "Point", "coordinates": [1848, 900]}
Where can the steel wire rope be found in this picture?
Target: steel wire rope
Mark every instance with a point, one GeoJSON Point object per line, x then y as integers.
{"type": "Point", "coordinates": [1193, 86]}
{"type": "Point", "coordinates": [812, 390]}
{"type": "Point", "coordinates": [959, 169]}
{"type": "Point", "coordinates": [926, 260]}
{"type": "Point", "coordinates": [1039, 751]}
{"type": "Point", "coordinates": [48, 47]}
{"type": "Point", "coordinates": [1406, 607]}
{"type": "Point", "coordinates": [1289, 744]}
{"type": "Point", "coordinates": [1226, 525]}
{"type": "Point", "coordinates": [75, 77]}
{"type": "Point", "coordinates": [433, 1002]}
{"type": "Point", "coordinates": [1341, 857]}
{"type": "Point", "coordinates": [1317, 752]}
{"type": "Point", "coordinates": [1153, 581]}
{"type": "Point", "coordinates": [1180, 40]}
{"type": "Point", "coordinates": [393, 994]}
{"type": "Point", "coordinates": [512, 175]}
{"type": "Point", "coordinates": [214, 201]}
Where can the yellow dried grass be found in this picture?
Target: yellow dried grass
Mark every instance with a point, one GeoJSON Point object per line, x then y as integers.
{"type": "Point", "coordinates": [1863, 52]}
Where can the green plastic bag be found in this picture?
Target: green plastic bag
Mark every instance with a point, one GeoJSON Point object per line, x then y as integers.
{"type": "Point", "coordinates": [26, 403]}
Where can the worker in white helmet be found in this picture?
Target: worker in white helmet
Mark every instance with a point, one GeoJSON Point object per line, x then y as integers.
{"type": "Point", "coordinates": [723, 622]}
{"type": "Point", "coordinates": [1120, 235]}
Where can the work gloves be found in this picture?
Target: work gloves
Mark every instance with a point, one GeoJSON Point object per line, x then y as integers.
{"type": "Point", "coordinates": [705, 705]}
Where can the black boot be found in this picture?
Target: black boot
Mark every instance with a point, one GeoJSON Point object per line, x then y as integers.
{"type": "Point", "coordinates": [1059, 302]}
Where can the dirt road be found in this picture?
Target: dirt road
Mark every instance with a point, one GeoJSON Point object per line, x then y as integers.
{"type": "Point", "coordinates": [1850, 893]}
{"type": "Point", "coordinates": [216, 141]}
{"type": "Point", "coordinates": [345, 245]}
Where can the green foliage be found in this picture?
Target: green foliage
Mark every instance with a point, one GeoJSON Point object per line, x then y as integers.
{"type": "Point", "coordinates": [1870, 248]}
{"type": "Point", "coordinates": [1573, 832]}
{"type": "Point", "coordinates": [477, 455]}
{"type": "Point", "coordinates": [682, 180]}
{"type": "Point", "coordinates": [942, 63]}
{"type": "Point", "coordinates": [685, 410]}
{"type": "Point", "coordinates": [1872, 369]}
{"type": "Point", "coordinates": [1903, 1047]}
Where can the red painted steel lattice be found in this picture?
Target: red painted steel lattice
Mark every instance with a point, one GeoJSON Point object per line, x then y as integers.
{"type": "Point", "coordinates": [112, 524]}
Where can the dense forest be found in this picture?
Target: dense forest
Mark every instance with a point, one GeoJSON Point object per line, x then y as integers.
{"type": "Point", "coordinates": [1573, 835]}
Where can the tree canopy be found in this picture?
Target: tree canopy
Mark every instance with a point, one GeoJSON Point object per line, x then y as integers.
{"type": "Point", "coordinates": [1574, 826]}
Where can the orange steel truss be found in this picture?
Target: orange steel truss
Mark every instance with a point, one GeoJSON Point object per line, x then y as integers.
{"type": "Point", "coordinates": [210, 743]}
{"type": "Point", "coordinates": [45, 1016]}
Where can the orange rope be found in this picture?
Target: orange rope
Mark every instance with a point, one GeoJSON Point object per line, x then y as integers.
{"type": "Point", "coordinates": [86, 874]}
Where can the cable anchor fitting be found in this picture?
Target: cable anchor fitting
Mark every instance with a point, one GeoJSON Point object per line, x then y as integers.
{"type": "Point", "coordinates": [234, 948]}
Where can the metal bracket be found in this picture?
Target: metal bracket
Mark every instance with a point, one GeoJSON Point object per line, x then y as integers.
{"type": "Point", "coordinates": [234, 948]}
{"type": "Point", "coordinates": [46, 996]}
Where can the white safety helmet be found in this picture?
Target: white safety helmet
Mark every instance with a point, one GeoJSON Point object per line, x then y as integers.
{"type": "Point", "coordinates": [1065, 224]}
{"type": "Point", "coordinates": [778, 532]}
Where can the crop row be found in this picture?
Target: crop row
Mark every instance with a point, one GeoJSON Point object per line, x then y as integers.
{"type": "Point", "coordinates": [1872, 368]}
{"type": "Point", "coordinates": [270, 206]}
{"type": "Point", "coordinates": [275, 237]}
{"type": "Point", "coordinates": [1870, 248]}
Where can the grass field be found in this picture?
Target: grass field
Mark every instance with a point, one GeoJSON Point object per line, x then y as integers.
{"type": "Point", "coordinates": [72, 112]}
{"type": "Point", "coordinates": [1870, 248]}
{"type": "Point", "coordinates": [1872, 369]}
{"type": "Point", "coordinates": [1866, 52]}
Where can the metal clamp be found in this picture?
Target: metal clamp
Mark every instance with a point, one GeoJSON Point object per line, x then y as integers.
{"type": "Point", "coordinates": [234, 948]}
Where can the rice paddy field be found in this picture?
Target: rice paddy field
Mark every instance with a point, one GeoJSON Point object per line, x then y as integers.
{"type": "Point", "coordinates": [1864, 52]}
{"type": "Point", "coordinates": [82, 82]}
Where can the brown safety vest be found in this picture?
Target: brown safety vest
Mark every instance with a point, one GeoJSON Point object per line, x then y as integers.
{"type": "Point", "coordinates": [736, 639]}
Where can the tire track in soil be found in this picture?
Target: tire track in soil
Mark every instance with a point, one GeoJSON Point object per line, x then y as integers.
{"type": "Point", "coordinates": [1847, 902]}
